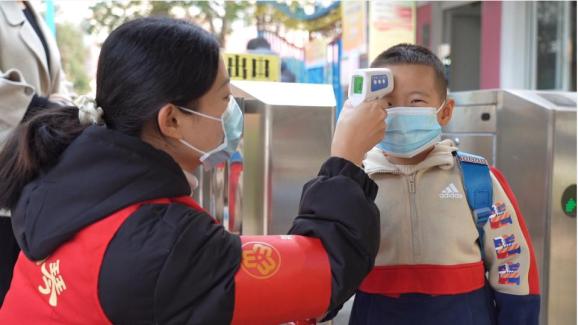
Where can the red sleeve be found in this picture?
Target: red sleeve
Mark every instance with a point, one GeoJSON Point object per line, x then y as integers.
{"type": "Point", "coordinates": [281, 278]}
{"type": "Point", "coordinates": [533, 279]}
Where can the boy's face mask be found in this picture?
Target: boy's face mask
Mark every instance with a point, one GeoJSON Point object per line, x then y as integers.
{"type": "Point", "coordinates": [410, 130]}
{"type": "Point", "coordinates": [232, 123]}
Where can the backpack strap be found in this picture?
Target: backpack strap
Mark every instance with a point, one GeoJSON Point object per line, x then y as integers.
{"type": "Point", "coordinates": [479, 191]}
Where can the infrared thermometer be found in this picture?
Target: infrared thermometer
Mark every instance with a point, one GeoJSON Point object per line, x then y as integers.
{"type": "Point", "coordinates": [369, 84]}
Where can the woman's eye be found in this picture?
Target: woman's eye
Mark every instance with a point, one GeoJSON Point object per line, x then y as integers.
{"type": "Point", "coordinates": [417, 101]}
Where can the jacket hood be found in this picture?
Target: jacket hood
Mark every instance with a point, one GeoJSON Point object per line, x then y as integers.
{"type": "Point", "coordinates": [441, 156]}
{"type": "Point", "coordinates": [101, 172]}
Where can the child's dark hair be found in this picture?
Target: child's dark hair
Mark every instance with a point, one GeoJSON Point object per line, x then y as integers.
{"type": "Point", "coordinates": [143, 65]}
{"type": "Point", "coordinates": [414, 54]}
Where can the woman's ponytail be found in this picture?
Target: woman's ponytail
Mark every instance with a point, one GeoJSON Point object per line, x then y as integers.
{"type": "Point", "coordinates": [35, 145]}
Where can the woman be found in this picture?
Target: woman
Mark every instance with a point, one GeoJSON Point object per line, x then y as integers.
{"type": "Point", "coordinates": [102, 213]}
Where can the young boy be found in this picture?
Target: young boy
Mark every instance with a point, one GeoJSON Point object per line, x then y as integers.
{"type": "Point", "coordinates": [430, 268]}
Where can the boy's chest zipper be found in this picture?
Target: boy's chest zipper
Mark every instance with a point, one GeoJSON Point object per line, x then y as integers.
{"type": "Point", "coordinates": [414, 220]}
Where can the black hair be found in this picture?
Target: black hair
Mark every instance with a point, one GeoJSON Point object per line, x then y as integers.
{"type": "Point", "coordinates": [414, 54]}
{"type": "Point", "coordinates": [143, 65]}
{"type": "Point", "coordinates": [258, 43]}
{"type": "Point", "coordinates": [149, 62]}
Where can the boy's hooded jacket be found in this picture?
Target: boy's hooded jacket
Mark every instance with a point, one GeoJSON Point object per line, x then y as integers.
{"type": "Point", "coordinates": [429, 245]}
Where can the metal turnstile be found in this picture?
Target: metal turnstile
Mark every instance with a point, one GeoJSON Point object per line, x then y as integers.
{"type": "Point", "coordinates": [287, 136]}
{"type": "Point", "coordinates": [531, 137]}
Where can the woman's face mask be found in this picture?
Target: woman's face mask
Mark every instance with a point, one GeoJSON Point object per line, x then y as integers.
{"type": "Point", "coordinates": [410, 130]}
{"type": "Point", "coordinates": [231, 122]}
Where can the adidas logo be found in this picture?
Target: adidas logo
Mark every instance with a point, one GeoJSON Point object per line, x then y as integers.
{"type": "Point", "coordinates": [451, 192]}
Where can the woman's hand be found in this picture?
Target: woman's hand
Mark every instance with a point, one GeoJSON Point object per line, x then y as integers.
{"type": "Point", "coordinates": [358, 130]}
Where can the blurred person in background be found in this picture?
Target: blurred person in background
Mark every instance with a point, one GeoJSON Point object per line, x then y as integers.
{"type": "Point", "coordinates": [31, 79]}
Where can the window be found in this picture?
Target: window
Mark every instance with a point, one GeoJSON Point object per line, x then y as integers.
{"type": "Point", "coordinates": [555, 45]}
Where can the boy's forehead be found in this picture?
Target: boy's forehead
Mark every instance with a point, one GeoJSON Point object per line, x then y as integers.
{"type": "Point", "coordinates": [410, 78]}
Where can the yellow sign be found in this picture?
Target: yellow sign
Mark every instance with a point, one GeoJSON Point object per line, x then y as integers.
{"type": "Point", "coordinates": [253, 67]}
{"type": "Point", "coordinates": [390, 23]}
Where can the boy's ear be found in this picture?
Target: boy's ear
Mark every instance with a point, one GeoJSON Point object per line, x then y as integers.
{"type": "Point", "coordinates": [445, 114]}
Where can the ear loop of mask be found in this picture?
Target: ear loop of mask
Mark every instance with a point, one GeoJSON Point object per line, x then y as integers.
{"type": "Point", "coordinates": [441, 106]}
{"type": "Point", "coordinates": [200, 114]}
{"type": "Point", "coordinates": [192, 147]}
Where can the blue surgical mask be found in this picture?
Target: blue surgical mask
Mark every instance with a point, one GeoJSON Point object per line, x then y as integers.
{"type": "Point", "coordinates": [232, 124]}
{"type": "Point", "coordinates": [410, 131]}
